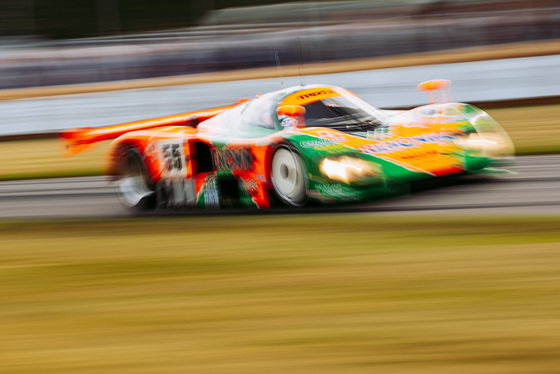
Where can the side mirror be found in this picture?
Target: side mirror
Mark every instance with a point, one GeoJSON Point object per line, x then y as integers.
{"type": "Point", "coordinates": [290, 111]}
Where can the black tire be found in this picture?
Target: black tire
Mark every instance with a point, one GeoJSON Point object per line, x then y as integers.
{"type": "Point", "coordinates": [134, 188]}
{"type": "Point", "coordinates": [288, 177]}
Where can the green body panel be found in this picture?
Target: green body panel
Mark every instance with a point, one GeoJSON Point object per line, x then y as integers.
{"type": "Point", "coordinates": [390, 177]}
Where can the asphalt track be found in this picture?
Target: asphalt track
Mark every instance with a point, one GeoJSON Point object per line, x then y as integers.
{"type": "Point", "coordinates": [533, 189]}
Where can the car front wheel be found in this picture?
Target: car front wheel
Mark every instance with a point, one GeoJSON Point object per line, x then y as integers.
{"type": "Point", "coordinates": [288, 177]}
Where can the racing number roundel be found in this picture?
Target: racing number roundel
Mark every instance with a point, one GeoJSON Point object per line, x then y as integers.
{"type": "Point", "coordinates": [172, 158]}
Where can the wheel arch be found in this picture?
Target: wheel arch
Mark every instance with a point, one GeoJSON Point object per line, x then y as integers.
{"type": "Point", "coordinates": [117, 153]}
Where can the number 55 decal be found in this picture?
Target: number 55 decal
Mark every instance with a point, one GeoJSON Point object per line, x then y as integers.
{"type": "Point", "coordinates": [172, 158]}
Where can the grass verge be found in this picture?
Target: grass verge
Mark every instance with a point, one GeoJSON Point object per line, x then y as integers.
{"type": "Point", "coordinates": [281, 294]}
{"type": "Point", "coordinates": [534, 130]}
{"type": "Point", "coordinates": [44, 158]}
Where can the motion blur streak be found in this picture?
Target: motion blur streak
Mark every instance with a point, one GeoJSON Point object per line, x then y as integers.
{"type": "Point", "coordinates": [478, 81]}
{"type": "Point", "coordinates": [430, 283]}
{"type": "Point", "coordinates": [534, 190]}
{"type": "Point", "coordinates": [241, 38]}
{"type": "Point", "coordinates": [278, 294]}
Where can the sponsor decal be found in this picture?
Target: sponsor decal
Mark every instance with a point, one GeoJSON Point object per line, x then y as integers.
{"type": "Point", "coordinates": [327, 138]}
{"type": "Point", "coordinates": [315, 94]}
{"type": "Point", "coordinates": [335, 191]}
{"type": "Point", "coordinates": [316, 143]}
{"type": "Point", "coordinates": [251, 186]}
{"type": "Point", "coordinates": [408, 142]}
{"type": "Point", "coordinates": [309, 96]}
{"type": "Point", "coordinates": [238, 159]}
{"type": "Point", "coordinates": [211, 193]}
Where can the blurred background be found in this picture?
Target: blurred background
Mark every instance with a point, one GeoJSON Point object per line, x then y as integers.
{"type": "Point", "coordinates": [298, 293]}
{"type": "Point", "coordinates": [59, 42]}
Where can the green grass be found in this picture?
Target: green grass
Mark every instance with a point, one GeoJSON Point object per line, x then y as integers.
{"type": "Point", "coordinates": [533, 129]}
{"type": "Point", "coordinates": [281, 294]}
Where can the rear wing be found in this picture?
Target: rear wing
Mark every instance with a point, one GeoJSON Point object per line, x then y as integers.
{"type": "Point", "coordinates": [79, 139]}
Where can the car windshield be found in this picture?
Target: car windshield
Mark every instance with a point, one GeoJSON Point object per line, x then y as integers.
{"type": "Point", "coordinates": [330, 107]}
{"type": "Point", "coordinates": [340, 113]}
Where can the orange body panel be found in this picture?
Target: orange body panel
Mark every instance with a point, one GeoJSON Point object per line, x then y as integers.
{"type": "Point", "coordinates": [79, 139]}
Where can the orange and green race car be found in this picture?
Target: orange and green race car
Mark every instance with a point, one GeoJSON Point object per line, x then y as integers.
{"type": "Point", "coordinates": [295, 146]}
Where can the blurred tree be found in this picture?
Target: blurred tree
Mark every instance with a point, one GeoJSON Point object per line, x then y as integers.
{"type": "Point", "coordinates": [17, 17]}
{"type": "Point", "coordinates": [86, 18]}
{"type": "Point", "coordinates": [65, 18]}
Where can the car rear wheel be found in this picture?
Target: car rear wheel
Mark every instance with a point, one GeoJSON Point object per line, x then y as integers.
{"type": "Point", "coordinates": [288, 177]}
{"type": "Point", "coordinates": [134, 189]}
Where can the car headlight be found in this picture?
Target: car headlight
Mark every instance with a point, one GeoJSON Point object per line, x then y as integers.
{"type": "Point", "coordinates": [347, 169]}
{"type": "Point", "coordinates": [488, 144]}
{"type": "Point", "coordinates": [490, 139]}
{"type": "Point", "coordinates": [477, 144]}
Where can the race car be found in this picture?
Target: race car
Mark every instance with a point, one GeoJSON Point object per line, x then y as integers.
{"type": "Point", "coordinates": [314, 144]}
